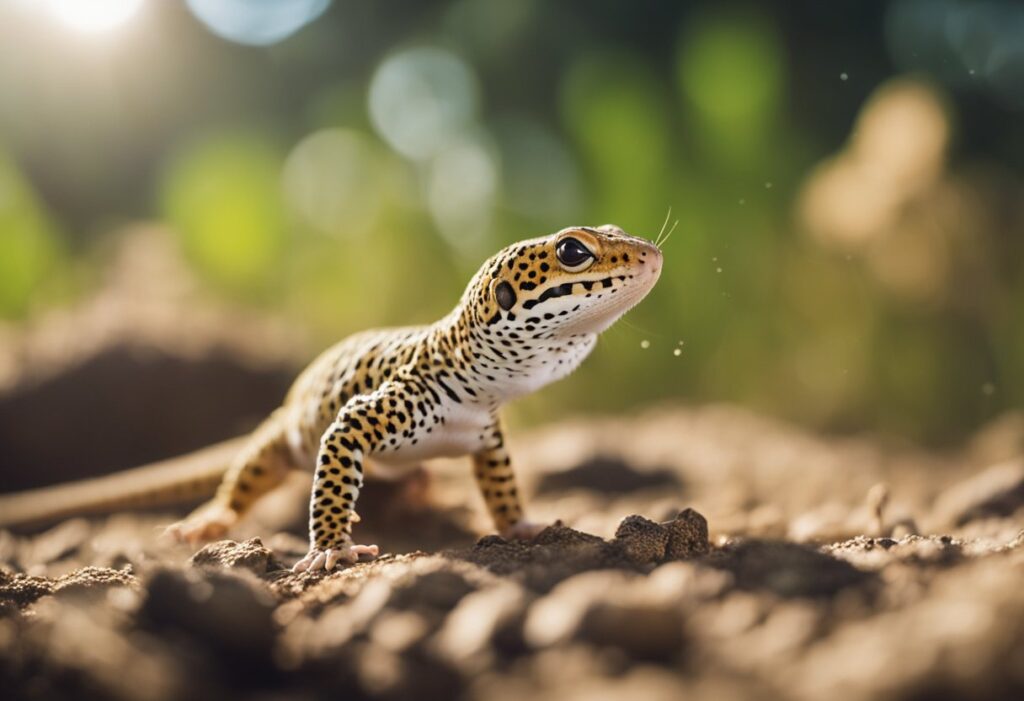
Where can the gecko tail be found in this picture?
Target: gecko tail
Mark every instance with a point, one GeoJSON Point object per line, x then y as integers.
{"type": "Point", "coordinates": [178, 480]}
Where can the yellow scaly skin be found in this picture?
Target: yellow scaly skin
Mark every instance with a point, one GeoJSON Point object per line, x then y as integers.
{"type": "Point", "coordinates": [399, 396]}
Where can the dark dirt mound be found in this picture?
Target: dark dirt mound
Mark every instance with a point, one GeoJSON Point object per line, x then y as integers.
{"type": "Point", "coordinates": [609, 475]}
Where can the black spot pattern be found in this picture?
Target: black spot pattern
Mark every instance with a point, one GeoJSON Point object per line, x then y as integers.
{"type": "Point", "coordinates": [523, 321]}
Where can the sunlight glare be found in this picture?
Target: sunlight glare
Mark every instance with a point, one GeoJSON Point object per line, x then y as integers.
{"type": "Point", "coordinates": [93, 16]}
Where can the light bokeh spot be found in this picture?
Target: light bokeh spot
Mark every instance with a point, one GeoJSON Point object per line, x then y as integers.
{"type": "Point", "coordinates": [959, 42]}
{"type": "Point", "coordinates": [421, 100]}
{"type": "Point", "coordinates": [332, 179]}
{"type": "Point", "coordinates": [256, 22]}
{"type": "Point", "coordinates": [540, 178]}
{"type": "Point", "coordinates": [461, 190]}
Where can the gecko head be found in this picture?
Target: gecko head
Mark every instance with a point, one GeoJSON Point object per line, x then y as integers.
{"type": "Point", "coordinates": [577, 281]}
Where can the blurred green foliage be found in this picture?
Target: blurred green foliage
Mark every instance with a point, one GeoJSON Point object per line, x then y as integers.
{"type": "Point", "coordinates": [29, 247]}
{"type": "Point", "coordinates": [222, 196]}
{"type": "Point", "coordinates": [314, 205]}
{"type": "Point", "coordinates": [729, 68]}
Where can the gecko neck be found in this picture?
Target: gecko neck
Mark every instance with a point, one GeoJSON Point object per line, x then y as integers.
{"type": "Point", "coordinates": [502, 359]}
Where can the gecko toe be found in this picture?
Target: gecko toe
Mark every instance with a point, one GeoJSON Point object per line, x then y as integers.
{"type": "Point", "coordinates": [333, 556]}
{"type": "Point", "coordinates": [318, 561]}
{"type": "Point", "coordinates": [371, 550]}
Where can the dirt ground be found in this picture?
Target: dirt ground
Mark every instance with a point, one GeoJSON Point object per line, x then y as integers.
{"type": "Point", "coordinates": [707, 553]}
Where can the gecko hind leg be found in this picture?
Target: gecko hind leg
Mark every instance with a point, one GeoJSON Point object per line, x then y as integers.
{"type": "Point", "coordinates": [492, 467]}
{"type": "Point", "coordinates": [261, 466]}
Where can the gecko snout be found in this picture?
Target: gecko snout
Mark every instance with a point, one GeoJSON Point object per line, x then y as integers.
{"type": "Point", "coordinates": [649, 259]}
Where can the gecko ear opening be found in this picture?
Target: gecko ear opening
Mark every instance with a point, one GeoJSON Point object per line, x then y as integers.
{"type": "Point", "coordinates": [504, 295]}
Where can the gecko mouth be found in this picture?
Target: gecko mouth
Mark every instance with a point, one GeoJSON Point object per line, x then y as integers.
{"type": "Point", "coordinates": [566, 289]}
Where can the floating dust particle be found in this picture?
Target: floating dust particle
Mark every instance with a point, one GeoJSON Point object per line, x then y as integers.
{"type": "Point", "coordinates": [677, 352]}
{"type": "Point", "coordinates": [988, 389]}
{"type": "Point", "coordinates": [844, 76]}
{"type": "Point", "coordinates": [768, 185]}
{"type": "Point", "coordinates": [742, 201]}
{"type": "Point", "coordinates": [718, 270]}
{"type": "Point", "coordinates": [645, 344]}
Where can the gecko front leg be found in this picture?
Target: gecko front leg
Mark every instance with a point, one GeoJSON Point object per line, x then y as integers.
{"type": "Point", "coordinates": [492, 467]}
{"type": "Point", "coordinates": [365, 425]}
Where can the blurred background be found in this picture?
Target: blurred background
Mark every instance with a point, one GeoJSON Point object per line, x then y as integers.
{"type": "Point", "coordinates": [846, 176]}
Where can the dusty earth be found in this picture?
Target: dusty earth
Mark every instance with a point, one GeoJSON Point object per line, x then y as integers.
{"type": "Point", "coordinates": [708, 553]}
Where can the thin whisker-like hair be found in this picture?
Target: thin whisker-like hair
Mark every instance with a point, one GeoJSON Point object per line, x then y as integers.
{"type": "Point", "coordinates": [661, 231]}
{"type": "Point", "coordinates": [668, 235]}
{"type": "Point", "coordinates": [625, 322]}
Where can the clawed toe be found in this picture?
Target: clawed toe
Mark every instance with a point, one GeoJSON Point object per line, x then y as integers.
{"type": "Point", "coordinates": [209, 523]}
{"type": "Point", "coordinates": [317, 559]}
{"type": "Point", "coordinates": [195, 533]}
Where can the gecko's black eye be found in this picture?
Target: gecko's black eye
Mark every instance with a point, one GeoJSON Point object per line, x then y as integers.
{"type": "Point", "coordinates": [573, 255]}
{"type": "Point", "coordinates": [505, 295]}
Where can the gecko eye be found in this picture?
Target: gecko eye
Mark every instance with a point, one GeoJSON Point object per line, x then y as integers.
{"type": "Point", "coordinates": [573, 255]}
{"type": "Point", "coordinates": [505, 295]}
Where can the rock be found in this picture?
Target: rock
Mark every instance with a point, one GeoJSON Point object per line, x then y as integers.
{"type": "Point", "coordinates": [491, 540]}
{"type": "Point", "coordinates": [642, 541]}
{"type": "Point", "coordinates": [646, 542]}
{"type": "Point", "coordinates": [559, 552]}
{"type": "Point", "coordinates": [566, 537]}
{"type": "Point", "coordinates": [251, 555]}
{"type": "Point", "coordinates": [556, 553]}
{"type": "Point", "coordinates": [688, 536]}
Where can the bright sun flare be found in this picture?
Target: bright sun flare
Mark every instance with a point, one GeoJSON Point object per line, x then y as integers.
{"type": "Point", "coordinates": [93, 16]}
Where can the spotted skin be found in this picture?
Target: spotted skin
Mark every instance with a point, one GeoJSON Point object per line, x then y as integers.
{"type": "Point", "coordinates": [395, 397]}
{"type": "Point", "coordinates": [492, 468]}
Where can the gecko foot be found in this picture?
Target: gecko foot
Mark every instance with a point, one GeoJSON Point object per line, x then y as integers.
{"type": "Point", "coordinates": [318, 559]}
{"type": "Point", "coordinates": [207, 523]}
{"type": "Point", "coordinates": [522, 530]}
